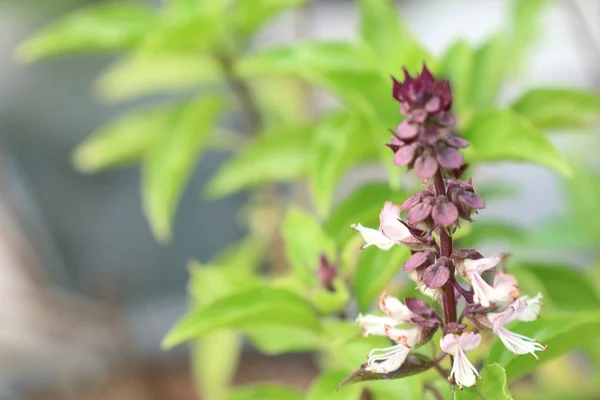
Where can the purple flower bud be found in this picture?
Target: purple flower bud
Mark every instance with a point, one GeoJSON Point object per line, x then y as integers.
{"type": "Point", "coordinates": [454, 328]}
{"type": "Point", "coordinates": [417, 306]}
{"type": "Point", "coordinates": [437, 274]}
{"type": "Point", "coordinates": [423, 92]}
{"type": "Point", "coordinates": [444, 213]}
{"type": "Point", "coordinates": [326, 272]}
{"type": "Point", "coordinates": [417, 260]}
{"type": "Point", "coordinates": [419, 213]}
{"type": "Point", "coordinates": [457, 141]}
{"type": "Point", "coordinates": [407, 130]}
{"type": "Point", "coordinates": [405, 155]}
{"type": "Point", "coordinates": [426, 166]}
{"type": "Point", "coordinates": [449, 157]}
{"type": "Point", "coordinates": [463, 254]}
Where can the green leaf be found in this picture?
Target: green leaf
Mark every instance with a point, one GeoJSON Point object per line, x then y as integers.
{"type": "Point", "coordinates": [457, 65]}
{"type": "Point", "coordinates": [327, 301]}
{"type": "Point", "coordinates": [493, 385]}
{"type": "Point", "coordinates": [251, 15]}
{"type": "Point", "coordinates": [278, 339]}
{"type": "Point", "coordinates": [273, 158]}
{"type": "Point", "coordinates": [550, 108]}
{"type": "Point", "coordinates": [503, 135]}
{"type": "Point", "coordinates": [492, 231]}
{"type": "Point", "coordinates": [99, 27]}
{"type": "Point", "coordinates": [265, 392]}
{"type": "Point", "coordinates": [171, 162]}
{"type": "Point", "coordinates": [125, 139]}
{"type": "Point", "coordinates": [337, 146]}
{"type": "Point", "coordinates": [209, 283]}
{"type": "Point", "coordinates": [248, 309]}
{"type": "Point", "coordinates": [362, 205]}
{"type": "Point", "coordinates": [525, 24]}
{"type": "Point", "coordinates": [565, 288]}
{"type": "Point", "coordinates": [245, 255]}
{"type": "Point", "coordinates": [375, 270]}
{"type": "Point", "coordinates": [326, 385]}
{"type": "Point", "coordinates": [560, 332]}
{"type": "Point", "coordinates": [143, 75]}
{"type": "Point", "coordinates": [489, 68]}
{"type": "Point", "coordinates": [305, 240]}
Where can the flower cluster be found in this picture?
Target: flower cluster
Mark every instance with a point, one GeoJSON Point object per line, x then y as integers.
{"type": "Point", "coordinates": [426, 141]}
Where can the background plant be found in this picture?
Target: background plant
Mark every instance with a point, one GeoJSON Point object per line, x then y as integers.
{"type": "Point", "coordinates": [184, 48]}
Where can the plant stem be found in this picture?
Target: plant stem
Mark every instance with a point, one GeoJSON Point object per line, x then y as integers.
{"type": "Point", "coordinates": [448, 298]}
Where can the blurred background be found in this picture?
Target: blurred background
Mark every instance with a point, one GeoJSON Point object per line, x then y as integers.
{"type": "Point", "coordinates": [88, 294]}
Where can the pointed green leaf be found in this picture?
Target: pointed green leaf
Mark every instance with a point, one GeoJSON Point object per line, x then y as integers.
{"type": "Point", "coordinates": [326, 387]}
{"type": "Point", "coordinates": [560, 332]}
{"type": "Point", "coordinates": [143, 75]}
{"type": "Point", "coordinates": [503, 135]}
{"type": "Point", "coordinates": [282, 339]}
{"type": "Point", "coordinates": [263, 391]}
{"type": "Point", "coordinates": [525, 24]}
{"type": "Point", "coordinates": [375, 271]}
{"type": "Point", "coordinates": [251, 15]}
{"type": "Point", "coordinates": [548, 108]}
{"type": "Point", "coordinates": [171, 162]}
{"type": "Point", "coordinates": [252, 308]}
{"type": "Point", "coordinates": [98, 27]}
{"type": "Point", "coordinates": [279, 157]}
{"type": "Point", "coordinates": [493, 385]}
{"type": "Point", "coordinates": [125, 139]}
{"type": "Point", "coordinates": [489, 69]}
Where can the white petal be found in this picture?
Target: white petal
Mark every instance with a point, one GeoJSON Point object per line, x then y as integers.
{"type": "Point", "coordinates": [373, 325]}
{"type": "Point", "coordinates": [533, 306]}
{"type": "Point", "coordinates": [373, 237]}
{"type": "Point", "coordinates": [498, 320]}
{"type": "Point", "coordinates": [449, 344]}
{"type": "Point", "coordinates": [409, 337]}
{"type": "Point", "coordinates": [506, 289]}
{"type": "Point", "coordinates": [387, 359]}
{"type": "Point", "coordinates": [389, 224]}
{"type": "Point", "coordinates": [464, 373]}
{"type": "Point", "coordinates": [394, 308]}
{"type": "Point", "coordinates": [519, 344]}
{"type": "Point", "coordinates": [483, 264]}
{"type": "Point", "coordinates": [469, 341]}
{"type": "Point", "coordinates": [482, 292]}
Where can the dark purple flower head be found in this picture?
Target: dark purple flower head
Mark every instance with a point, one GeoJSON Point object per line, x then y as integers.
{"type": "Point", "coordinates": [326, 272]}
{"type": "Point", "coordinates": [462, 195]}
{"type": "Point", "coordinates": [423, 92]}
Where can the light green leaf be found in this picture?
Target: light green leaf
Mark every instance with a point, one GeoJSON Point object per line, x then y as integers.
{"type": "Point", "coordinates": [525, 24]}
{"type": "Point", "coordinates": [559, 108]}
{"type": "Point", "coordinates": [248, 309]}
{"type": "Point", "coordinates": [265, 392]}
{"type": "Point", "coordinates": [279, 157]}
{"type": "Point", "coordinates": [171, 162]}
{"type": "Point", "coordinates": [278, 339]}
{"type": "Point", "coordinates": [305, 240]}
{"type": "Point", "coordinates": [251, 15]}
{"type": "Point", "coordinates": [388, 36]}
{"type": "Point", "coordinates": [209, 283]}
{"type": "Point", "coordinates": [143, 75]}
{"type": "Point", "coordinates": [362, 205]}
{"type": "Point", "coordinates": [493, 385]}
{"type": "Point", "coordinates": [457, 65]}
{"type": "Point", "coordinates": [489, 68]}
{"type": "Point", "coordinates": [245, 255]}
{"type": "Point", "coordinates": [326, 385]}
{"type": "Point", "coordinates": [125, 139]}
{"type": "Point", "coordinates": [563, 287]}
{"type": "Point", "coordinates": [338, 144]}
{"type": "Point", "coordinates": [327, 301]}
{"type": "Point", "coordinates": [503, 135]}
{"type": "Point", "coordinates": [375, 270]}
{"type": "Point", "coordinates": [99, 27]}
{"type": "Point", "coordinates": [492, 231]}
{"type": "Point", "coordinates": [560, 332]}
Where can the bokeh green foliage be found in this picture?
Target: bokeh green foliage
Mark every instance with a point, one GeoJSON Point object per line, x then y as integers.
{"type": "Point", "coordinates": [184, 48]}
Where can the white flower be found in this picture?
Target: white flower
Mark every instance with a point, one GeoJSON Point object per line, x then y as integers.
{"type": "Point", "coordinates": [523, 309]}
{"type": "Point", "coordinates": [505, 287]}
{"type": "Point", "coordinates": [391, 231]}
{"type": "Point", "coordinates": [463, 372]}
{"type": "Point", "coordinates": [390, 358]}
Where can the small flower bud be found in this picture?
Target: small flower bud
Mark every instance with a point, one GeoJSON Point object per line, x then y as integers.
{"type": "Point", "coordinates": [436, 275]}
{"type": "Point", "coordinates": [444, 213]}
{"type": "Point", "coordinates": [326, 272]}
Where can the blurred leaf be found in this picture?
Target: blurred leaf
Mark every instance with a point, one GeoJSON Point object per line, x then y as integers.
{"type": "Point", "coordinates": [362, 205]}
{"type": "Point", "coordinates": [564, 287]}
{"type": "Point", "coordinates": [171, 162]}
{"type": "Point", "coordinates": [560, 332]}
{"type": "Point", "coordinates": [275, 112]}
{"type": "Point", "coordinates": [250, 15]}
{"type": "Point", "coordinates": [490, 231]}
{"type": "Point", "coordinates": [384, 31]}
{"type": "Point", "coordinates": [525, 23]}
{"type": "Point", "coordinates": [325, 387]}
{"type": "Point", "coordinates": [584, 197]}
{"type": "Point", "coordinates": [209, 283]}
{"type": "Point", "coordinates": [337, 145]}
{"type": "Point", "coordinates": [560, 233]}
{"type": "Point", "coordinates": [409, 387]}
{"type": "Point", "coordinates": [305, 240]}
{"type": "Point", "coordinates": [245, 255]}
{"type": "Point", "coordinates": [496, 190]}
{"type": "Point", "coordinates": [375, 270]}
{"type": "Point", "coordinates": [414, 364]}
{"type": "Point", "coordinates": [248, 309]}
{"type": "Point", "coordinates": [503, 135]}
{"type": "Point", "coordinates": [493, 385]}
{"type": "Point", "coordinates": [273, 158]}
{"type": "Point", "coordinates": [457, 65]}
{"type": "Point", "coordinates": [264, 391]}
{"type": "Point", "coordinates": [98, 27]}
{"type": "Point", "coordinates": [559, 108]}
{"type": "Point", "coordinates": [328, 302]}
{"type": "Point", "coordinates": [144, 75]}
{"type": "Point", "coordinates": [125, 139]}
{"type": "Point", "coordinates": [489, 68]}
{"type": "Point", "coordinates": [282, 339]}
